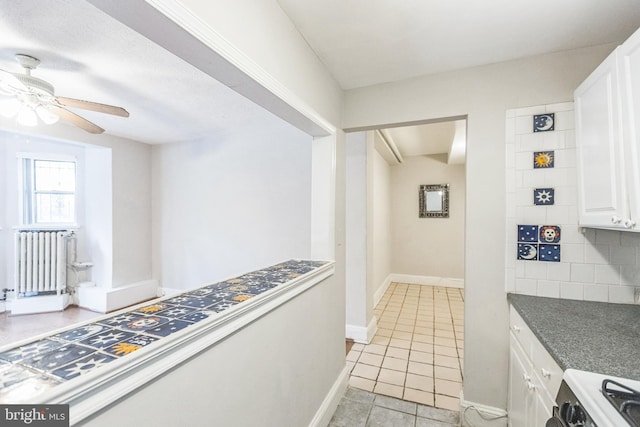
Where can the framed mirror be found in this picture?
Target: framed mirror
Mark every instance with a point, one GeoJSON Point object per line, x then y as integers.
{"type": "Point", "coordinates": [434, 201]}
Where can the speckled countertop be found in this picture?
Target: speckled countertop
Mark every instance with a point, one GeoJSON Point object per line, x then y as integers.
{"type": "Point", "coordinates": [589, 336]}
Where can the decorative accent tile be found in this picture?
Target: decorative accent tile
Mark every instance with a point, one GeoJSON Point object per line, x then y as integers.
{"type": "Point", "coordinates": [29, 350]}
{"type": "Point", "coordinates": [222, 305]}
{"type": "Point", "coordinates": [106, 338]}
{"type": "Point", "coordinates": [549, 253]}
{"type": "Point", "coordinates": [544, 122]}
{"type": "Point", "coordinates": [543, 159]}
{"type": "Point", "coordinates": [169, 328]}
{"type": "Point", "coordinates": [81, 333]}
{"type": "Point", "coordinates": [58, 357]}
{"type": "Point", "coordinates": [527, 233]}
{"type": "Point", "coordinates": [176, 311]}
{"type": "Point", "coordinates": [549, 234]}
{"type": "Point", "coordinates": [143, 323]}
{"type": "Point", "coordinates": [198, 316]}
{"type": "Point", "coordinates": [83, 366]}
{"type": "Point", "coordinates": [30, 369]}
{"type": "Point", "coordinates": [543, 196]}
{"type": "Point", "coordinates": [527, 251]}
{"type": "Point", "coordinates": [153, 308]}
{"type": "Point", "coordinates": [129, 346]}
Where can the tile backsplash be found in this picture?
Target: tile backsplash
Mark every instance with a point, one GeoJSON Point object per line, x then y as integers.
{"type": "Point", "coordinates": [591, 264]}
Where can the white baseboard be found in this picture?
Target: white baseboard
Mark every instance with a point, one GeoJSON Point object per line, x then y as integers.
{"type": "Point", "coordinates": [477, 415]}
{"type": "Point", "coordinates": [39, 304]}
{"type": "Point", "coordinates": [360, 334]}
{"type": "Point", "coordinates": [106, 300]}
{"type": "Point", "coordinates": [377, 296]}
{"type": "Point", "coordinates": [165, 292]}
{"type": "Point", "coordinates": [448, 282]}
{"type": "Point", "coordinates": [332, 399]}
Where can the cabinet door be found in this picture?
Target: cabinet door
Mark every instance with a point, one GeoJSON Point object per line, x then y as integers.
{"type": "Point", "coordinates": [521, 399]}
{"type": "Point", "coordinates": [601, 192]}
{"type": "Point", "coordinates": [629, 72]}
{"type": "Point", "coordinates": [543, 406]}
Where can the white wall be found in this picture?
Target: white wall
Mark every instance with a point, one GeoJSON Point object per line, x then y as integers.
{"type": "Point", "coordinates": [358, 300]}
{"type": "Point", "coordinates": [427, 246]}
{"type": "Point", "coordinates": [484, 93]}
{"type": "Point", "coordinates": [232, 203]}
{"type": "Point", "coordinates": [379, 218]}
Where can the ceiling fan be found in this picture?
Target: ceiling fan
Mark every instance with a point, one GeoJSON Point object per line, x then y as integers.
{"type": "Point", "coordinates": [32, 97]}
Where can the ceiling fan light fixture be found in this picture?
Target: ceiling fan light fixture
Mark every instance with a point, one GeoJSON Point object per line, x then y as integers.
{"type": "Point", "coordinates": [46, 116]}
{"type": "Point", "coordinates": [27, 116]}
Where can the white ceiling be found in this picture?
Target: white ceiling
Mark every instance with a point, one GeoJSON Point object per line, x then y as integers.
{"type": "Point", "coordinates": [87, 54]}
{"type": "Point", "coordinates": [365, 42]}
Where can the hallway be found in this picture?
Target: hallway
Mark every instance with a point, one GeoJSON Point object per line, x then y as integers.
{"type": "Point", "coordinates": [417, 353]}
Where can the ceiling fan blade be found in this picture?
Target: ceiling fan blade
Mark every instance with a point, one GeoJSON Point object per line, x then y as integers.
{"type": "Point", "coordinates": [92, 106]}
{"type": "Point", "coordinates": [75, 119]}
{"type": "Point", "coordinates": [10, 83]}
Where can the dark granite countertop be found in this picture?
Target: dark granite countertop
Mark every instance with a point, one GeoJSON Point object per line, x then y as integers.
{"type": "Point", "coordinates": [589, 336]}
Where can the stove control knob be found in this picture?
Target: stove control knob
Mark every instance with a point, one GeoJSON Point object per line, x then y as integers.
{"type": "Point", "coordinates": [572, 414]}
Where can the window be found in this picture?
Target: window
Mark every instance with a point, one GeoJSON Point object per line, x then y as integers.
{"type": "Point", "coordinates": [49, 191]}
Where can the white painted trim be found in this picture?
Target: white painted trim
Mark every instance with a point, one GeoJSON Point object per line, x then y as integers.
{"type": "Point", "coordinates": [165, 292]}
{"type": "Point", "coordinates": [105, 300]}
{"type": "Point", "coordinates": [478, 415]}
{"type": "Point", "coordinates": [331, 400]}
{"type": "Point", "coordinates": [361, 334]}
{"type": "Point", "coordinates": [39, 304]}
{"type": "Point", "coordinates": [377, 296]}
{"type": "Point", "coordinates": [178, 13]}
{"type": "Point", "coordinates": [448, 282]}
{"type": "Point", "coordinates": [90, 393]}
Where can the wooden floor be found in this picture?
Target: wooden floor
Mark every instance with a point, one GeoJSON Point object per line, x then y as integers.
{"type": "Point", "coordinates": [21, 327]}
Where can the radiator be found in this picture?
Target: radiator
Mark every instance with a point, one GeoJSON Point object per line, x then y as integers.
{"type": "Point", "coordinates": [41, 262]}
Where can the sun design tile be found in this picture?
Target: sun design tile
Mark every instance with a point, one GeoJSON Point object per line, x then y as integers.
{"type": "Point", "coordinates": [543, 159]}
{"type": "Point", "coordinates": [153, 308]}
{"type": "Point", "coordinates": [543, 196]}
{"type": "Point", "coordinates": [242, 297]}
{"type": "Point", "coordinates": [129, 346]}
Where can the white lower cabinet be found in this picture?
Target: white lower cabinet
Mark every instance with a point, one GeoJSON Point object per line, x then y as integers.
{"type": "Point", "coordinates": [534, 377]}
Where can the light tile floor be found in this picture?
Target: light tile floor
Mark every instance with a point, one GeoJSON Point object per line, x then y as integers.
{"type": "Point", "coordinates": [417, 352]}
{"type": "Point", "coordinates": [359, 408]}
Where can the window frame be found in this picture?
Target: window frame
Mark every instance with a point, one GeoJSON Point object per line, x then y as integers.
{"type": "Point", "coordinates": [27, 185]}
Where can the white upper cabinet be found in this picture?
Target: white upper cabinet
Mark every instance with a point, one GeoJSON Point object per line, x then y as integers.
{"type": "Point", "coordinates": [607, 104]}
{"type": "Point", "coordinates": [629, 72]}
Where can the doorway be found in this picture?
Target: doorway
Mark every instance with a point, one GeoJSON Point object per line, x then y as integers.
{"type": "Point", "coordinates": [405, 297]}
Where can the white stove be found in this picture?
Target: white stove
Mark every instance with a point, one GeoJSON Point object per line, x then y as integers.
{"type": "Point", "coordinates": [582, 402]}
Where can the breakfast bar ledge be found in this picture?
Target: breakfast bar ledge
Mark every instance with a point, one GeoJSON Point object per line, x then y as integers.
{"type": "Point", "coordinates": [216, 311]}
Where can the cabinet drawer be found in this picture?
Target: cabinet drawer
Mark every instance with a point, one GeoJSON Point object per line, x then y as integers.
{"type": "Point", "coordinates": [521, 332]}
{"type": "Point", "coordinates": [546, 368]}
{"type": "Point", "coordinates": [542, 364]}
